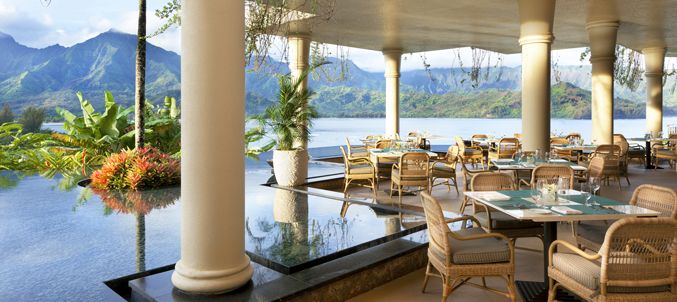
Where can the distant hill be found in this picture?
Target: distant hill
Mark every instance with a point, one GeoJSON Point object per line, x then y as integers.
{"type": "Point", "coordinates": [49, 77]}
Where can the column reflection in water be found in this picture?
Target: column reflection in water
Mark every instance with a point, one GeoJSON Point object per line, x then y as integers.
{"type": "Point", "coordinates": [290, 211]}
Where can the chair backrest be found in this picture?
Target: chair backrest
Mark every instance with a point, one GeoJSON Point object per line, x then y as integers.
{"type": "Point", "coordinates": [452, 155]}
{"type": "Point", "coordinates": [461, 145]}
{"type": "Point", "coordinates": [551, 174]}
{"type": "Point", "coordinates": [346, 163]}
{"type": "Point", "coordinates": [384, 143]}
{"type": "Point", "coordinates": [479, 136]}
{"type": "Point", "coordinates": [596, 167]}
{"type": "Point", "coordinates": [517, 135]}
{"type": "Point", "coordinates": [493, 181]}
{"type": "Point", "coordinates": [558, 141]}
{"type": "Point", "coordinates": [374, 137]}
{"type": "Point", "coordinates": [507, 146]}
{"type": "Point", "coordinates": [572, 135]}
{"type": "Point", "coordinates": [620, 140]}
{"type": "Point", "coordinates": [608, 151]}
{"type": "Point", "coordinates": [657, 198]}
{"type": "Point", "coordinates": [350, 151]}
{"type": "Point", "coordinates": [639, 252]}
{"type": "Point", "coordinates": [415, 165]}
{"type": "Point", "coordinates": [438, 229]}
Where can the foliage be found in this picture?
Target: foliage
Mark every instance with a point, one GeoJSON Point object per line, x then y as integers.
{"type": "Point", "coordinates": [141, 168]}
{"type": "Point", "coordinates": [6, 115]}
{"type": "Point", "coordinates": [32, 118]}
{"type": "Point", "coordinates": [169, 12]}
{"type": "Point", "coordinates": [138, 202]}
{"type": "Point", "coordinates": [99, 132]}
{"type": "Point", "coordinates": [628, 67]}
{"type": "Point", "coordinates": [290, 119]}
{"type": "Point", "coordinates": [163, 128]}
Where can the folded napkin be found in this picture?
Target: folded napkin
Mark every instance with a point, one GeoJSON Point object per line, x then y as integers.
{"type": "Point", "coordinates": [503, 160]}
{"type": "Point", "coordinates": [565, 210]}
{"type": "Point", "coordinates": [558, 160]}
{"type": "Point", "coordinates": [492, 196]}
{"type": "Point", "coordinates": [569, 192]}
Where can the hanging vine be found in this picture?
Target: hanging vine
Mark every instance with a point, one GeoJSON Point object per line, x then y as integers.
{"type": "Point", "coordinates": [482, 63]}
{"type": "Point", "coordinates": [628, 66]}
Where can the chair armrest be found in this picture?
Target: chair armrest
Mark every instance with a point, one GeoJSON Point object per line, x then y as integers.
{"type": "Point", "coordinates": [553, 246]}
{"type": "Point", "coordinates": [462, 218]}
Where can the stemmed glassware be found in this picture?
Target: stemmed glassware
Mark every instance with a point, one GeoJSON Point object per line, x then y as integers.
{"type": "Point", "coordinates": [586, 192]}
{"type": "Point", "coordinates": [594, 183]}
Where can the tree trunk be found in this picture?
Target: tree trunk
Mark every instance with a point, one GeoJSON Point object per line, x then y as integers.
{"type": "Point", "coordinates": [140, 83]}
{"type": "Point", "coordinates": [140, 242]}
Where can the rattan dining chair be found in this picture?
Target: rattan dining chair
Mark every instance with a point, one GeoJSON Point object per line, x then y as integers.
{"type": "Point", "coordinates": [471, 155]}
{"type": "Point", "coordinates": [551, 174]}
{"type": "Point", "coordinates": [590, 235]}
{"type": "Point", "coordinates": [612, 161]}
{"type": "Point", "coordinates": [620, 141]}
{"type": "Point", "coordinates": [572, 136]}
{"type": "Point", "coordinates": [356, 151]}
{"type": "Point", "coordinates": [467, 178]}
{"type": "Point", "coordinates": [445, 168]}
{"type": "Point", "coordinates": [559, 141]}
{"type": "Point", "coordinates": [505, 148]}
{"type": "Point", "coordinates": [384, 165]}
{"type": "Point", "coordinates": [412, 170]}
{"type": "Point", "coordinates": [458, 256]}
{"type": "Point", "coordinates": [662, 151]}
{"type": "Point", "coordinates": [499, 222]}
{"type": "Point", "coordinates": [358, 169]}
{"type": "Point", "coordinates": [637, 262]}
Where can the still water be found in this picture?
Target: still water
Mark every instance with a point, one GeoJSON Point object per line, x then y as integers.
{"type": "Point", "coordinates": [333, 131]}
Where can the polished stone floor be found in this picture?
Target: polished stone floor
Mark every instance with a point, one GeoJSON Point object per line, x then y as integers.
{"type": "Point", "coordinates": [529, 265]}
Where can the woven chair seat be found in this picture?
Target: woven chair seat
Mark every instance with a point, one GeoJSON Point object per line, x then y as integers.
{"type": "Point", "coordinates": [666, 154]}
{"type": "Point", "coordinates": [587, 273]}
{"type": "Point", "coordinates": [360, 154]}
{"type": "Point", "coordinates": [478, 251]}
{"type": "Point", "coordinates": [503, 221]}
{"type": "Point", "coordinates": [361, 169]}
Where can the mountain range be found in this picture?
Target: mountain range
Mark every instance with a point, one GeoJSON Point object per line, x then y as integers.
{"type": "Point", "coordinates": [49, 77]}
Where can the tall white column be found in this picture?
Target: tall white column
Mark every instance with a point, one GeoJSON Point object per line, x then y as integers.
{"type": "Point", "coordinates": [536, 18]}
{"type": "Point", "coordinates": [602, 36]}
{"type": "Point", "coordinates": [653, 59]}
{"type": "Point", "coordinates": [392, 74]}
{"type": "Point", "coordinates": [213, 258]}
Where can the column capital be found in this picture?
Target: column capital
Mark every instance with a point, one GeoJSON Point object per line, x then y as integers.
{"type": "Point", "coordinates": [596, 59]}
{"type": "Point", "coordinates": [392, 59]}
{"type": "Point", "coordinates": [654, 59]}
{"type": "Point", "coordinates": [298, 35]}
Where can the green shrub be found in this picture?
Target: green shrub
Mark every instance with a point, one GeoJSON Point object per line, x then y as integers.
{"type": "Point", "coordinates": [32, 119]}
{"type": "Point", "coordinates": [6, 115]}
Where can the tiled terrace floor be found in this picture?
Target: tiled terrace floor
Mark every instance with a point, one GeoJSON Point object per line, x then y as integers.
{"type": "Point", "coordinates": [529, 265]}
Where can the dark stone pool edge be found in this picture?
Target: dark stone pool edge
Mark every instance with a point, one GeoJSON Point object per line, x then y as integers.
{"type": "Point", "coordinates": [335, 280]}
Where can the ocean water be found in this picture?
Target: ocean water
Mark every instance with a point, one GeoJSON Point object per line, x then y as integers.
{"type": "Point", "coordinates": [333, 131]}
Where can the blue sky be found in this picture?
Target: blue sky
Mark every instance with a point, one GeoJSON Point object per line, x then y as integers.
{"type": "Point", "coordinates": [68, 22]}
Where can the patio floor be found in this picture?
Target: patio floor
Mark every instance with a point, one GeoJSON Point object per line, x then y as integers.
{"type": "Point", "coordinates": [529, 265]}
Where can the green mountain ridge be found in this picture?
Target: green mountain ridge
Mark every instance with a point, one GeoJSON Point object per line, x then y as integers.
{"type": "Point", "coordinates": [49, 77]}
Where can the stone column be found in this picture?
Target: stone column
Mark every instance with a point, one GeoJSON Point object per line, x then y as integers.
{"type": "Point", "coordinates": [213, 259]}
{"type": "Point", "coordinates": [602, 36]}
{"type": "Point", "coordinates": [653, 60]}
{"type": "Point", "coordinates": [536, 18]}
{"type": "Point", "coordinates": [392, 74]}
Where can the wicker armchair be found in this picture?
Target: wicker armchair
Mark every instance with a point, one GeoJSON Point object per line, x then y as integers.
{"type": "Point", "coordinates": [551, 174]}
{"type": "Point", "coordinates": [470, 155]}
{"type": "Point", "coordinates": [413, 169]}
{"type": "Point", "coordinates": [467, 178]}
{"type": "Point", "coordinates": [356, 151]}
{"type": "Point", "coordinates": [457, 256]}
{"type": "Point", "coordinates": [384, 165]}
{"type": "Point", "coordinates": [445, 168]}
{"type": "Point", "coordinates": [637, 262]}
{"type": "Point", "coordinates": [620, 141]}
{"type": "Point", "coordinates": [664, 151]}
{"type": "Point", "coordinates": [572, 136]}
{"type": "Point", "coordinates": [495, 221]}
{"type": "Point", "coordinates": [590, 235]}
{"type": "Point", "coordinates": [505, 148]}
{"type": "Point", "coordinates": [476, 141]}
{"type": "Point", "coordinates": [559, 141]}
{"type": "Point", "coordinates": [567, 153]}
{"type": "Point", "coordinates": [612, 161]}
{"type": "Point", "coordinates": [358, 169]}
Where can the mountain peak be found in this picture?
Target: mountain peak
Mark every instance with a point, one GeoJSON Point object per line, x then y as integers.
{"type": "Point", "coordinates": [6, 36]}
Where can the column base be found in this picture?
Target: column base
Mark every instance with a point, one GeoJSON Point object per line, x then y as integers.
{"type": "Point", "coordinates": [196, 281]}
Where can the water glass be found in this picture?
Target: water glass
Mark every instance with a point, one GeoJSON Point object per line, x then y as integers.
{"type": "Point", "coordinates": [563, 185]}
{"type": "Point", "coordinates": [586, 192]}
{"type": "Point", "coordinates": [595, 184]}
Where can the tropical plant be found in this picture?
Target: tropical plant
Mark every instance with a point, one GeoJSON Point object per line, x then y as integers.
{"type": "Point", "coordinates": [289, 119]}
{"type": "Point", "coordinates": [141, 168]}
{"type": "Point", "coordinates": [6, 115]}
{"type": "Point", "coordinates": [163, 127]}
{"type": "Point", "coordinates": [100, 133]}
{"type": "Point", "coordinates": [32, 118]}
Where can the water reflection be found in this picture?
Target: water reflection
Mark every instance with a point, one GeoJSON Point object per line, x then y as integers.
{"type": "Point", "coordinates": [137, 203]}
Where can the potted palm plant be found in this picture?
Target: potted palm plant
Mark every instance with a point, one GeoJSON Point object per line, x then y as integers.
{"type": "Point", "coordinates": [289, 121]}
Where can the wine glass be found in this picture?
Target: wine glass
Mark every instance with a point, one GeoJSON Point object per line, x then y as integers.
{"type": "Point", "coordinates": [540, 187]}
{"type": "Point", "coordinates": [594, 183]}
{"type": "Point", "coordinates": [586, 192]}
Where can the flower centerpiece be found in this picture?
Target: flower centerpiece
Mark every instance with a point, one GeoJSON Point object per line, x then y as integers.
{"type": "Point", "coordinates": [127, 180]}
{"type": "Point", "coordinates": [549, 194]}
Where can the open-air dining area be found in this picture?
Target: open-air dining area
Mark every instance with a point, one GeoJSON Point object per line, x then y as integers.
{"type": "Point", "coordinates": [283, 203]}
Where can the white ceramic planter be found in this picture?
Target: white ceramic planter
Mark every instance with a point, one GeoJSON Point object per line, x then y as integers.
{"type": "Point", "coordinates": [290, 167]}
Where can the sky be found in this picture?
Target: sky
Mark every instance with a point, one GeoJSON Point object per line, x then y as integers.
{"type": "Point", "coordinates": [68, 22]}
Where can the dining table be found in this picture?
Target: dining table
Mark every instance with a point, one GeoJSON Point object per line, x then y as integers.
{"type": "Point", "coordinates": [569, 207]}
